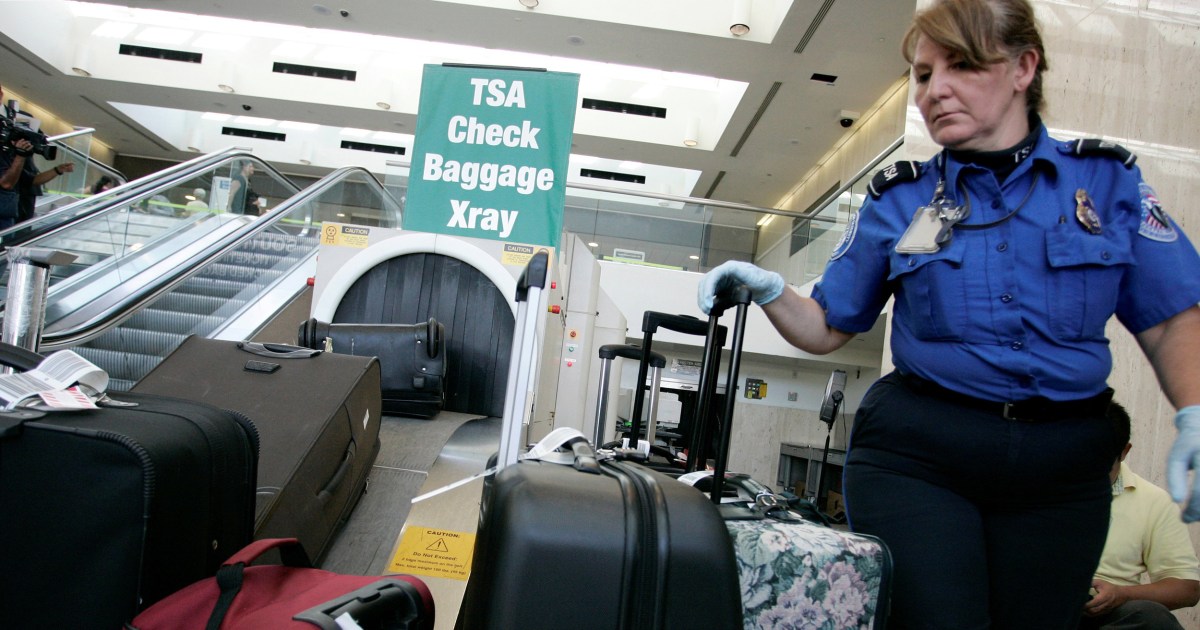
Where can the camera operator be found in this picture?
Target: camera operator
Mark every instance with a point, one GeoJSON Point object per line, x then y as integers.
{"type": "Point", "coordinates": [29, 186]}
{"type": "Point", "coordinates": [20, 180]}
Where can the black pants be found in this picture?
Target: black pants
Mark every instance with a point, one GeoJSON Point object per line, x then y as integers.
{"type": "Point", "coordinates": [992, 523]}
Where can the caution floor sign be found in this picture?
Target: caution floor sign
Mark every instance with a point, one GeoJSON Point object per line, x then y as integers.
{"type": "Point", "coordinates": [434, 553]}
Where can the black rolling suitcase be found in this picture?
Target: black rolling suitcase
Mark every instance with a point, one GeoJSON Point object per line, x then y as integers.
{"type": "Point", "coordinates": [412, 360]}
{"type": "Point", "coordinates": [105, 511]}
{"type": "Point", "coordinates": [698, 444]}
{"type": "Point", "coordinates": [793, 572]}
{"type": "Point", "coordinates": [591, 545]}
{"type": "Point", "coordinates": [317, 415]}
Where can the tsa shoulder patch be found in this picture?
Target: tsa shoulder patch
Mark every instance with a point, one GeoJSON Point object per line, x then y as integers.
{"type": "Point", "coordinates": [1155, 224]}
{"type": "Point", "coordinates": [844, 243]}
{"type": "Point", "coordinates": [892, 175]}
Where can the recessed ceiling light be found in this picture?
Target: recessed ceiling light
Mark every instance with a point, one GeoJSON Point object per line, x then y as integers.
{"type": "Point", "coordinates": [693, 257]}
{"type": "Point", "coordinates": [81, 72]}
{"type": "Point", "coordinates": [383, 105]}
{"type": "Point", "coordinates": [225, 87]}
{"type": "Point", "coordinates": [593, 244]}
{"type": "Point", "coordinates": [528, 4]}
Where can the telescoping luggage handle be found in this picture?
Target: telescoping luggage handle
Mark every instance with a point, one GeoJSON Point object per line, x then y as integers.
{"type": "Point", "coordinates": [521, 365]}
{"type": "Point", "coordinates": [609, 352]}
{"type": "Point", "coordinates": [737, 296]}
{"type": "Point", "coordinates": [651, 322]}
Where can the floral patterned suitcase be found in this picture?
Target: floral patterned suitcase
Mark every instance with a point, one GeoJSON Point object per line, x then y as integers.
{"type": "Point", "coordinates": [798, 574]}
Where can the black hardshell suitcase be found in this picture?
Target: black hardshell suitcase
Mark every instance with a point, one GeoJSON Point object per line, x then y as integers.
{"type": "Point", "coordinates": [104, 512]}
{"type": "Point", "coordinates": [608, 545]}
{"type": "Point", "coordinates": [412, 359]}
{"type": "Point", "coordinates": [318, 418]}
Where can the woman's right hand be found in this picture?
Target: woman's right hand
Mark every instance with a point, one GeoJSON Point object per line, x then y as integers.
{"type": "Point", "coordinates": [764, 285]}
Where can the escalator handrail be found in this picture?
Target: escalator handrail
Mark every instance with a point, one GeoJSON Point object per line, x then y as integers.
{"type": "Point", "coordinates": [99, 323]}
{"type": "Point", "coordinates": [131, 191]}
{"type": "Point", "coordinates": [103, 267]}
{"type": "Point", "coordinates": [92, 162]}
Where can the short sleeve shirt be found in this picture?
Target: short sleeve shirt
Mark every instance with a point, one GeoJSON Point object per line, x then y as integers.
{"type": "Point", "coordinates": [1145, 536]}
{"type": "Point", "coordinates": [1018, 309]}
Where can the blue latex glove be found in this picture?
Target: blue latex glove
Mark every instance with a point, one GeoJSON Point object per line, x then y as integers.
{"type": "Point", "coordinates": [764, 285]}
{"type": "Point", "coordinates": [1185, 456]}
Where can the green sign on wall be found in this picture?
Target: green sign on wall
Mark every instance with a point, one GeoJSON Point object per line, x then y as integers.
{"type": "Point", "coordinates": [490, 153]}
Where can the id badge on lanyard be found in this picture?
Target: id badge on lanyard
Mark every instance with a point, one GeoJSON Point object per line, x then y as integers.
{"type": "Point", "coordinates": [932, 226]}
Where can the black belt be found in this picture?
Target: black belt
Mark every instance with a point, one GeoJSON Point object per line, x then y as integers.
{"type": "Point", "coordinates": [1029, 410]}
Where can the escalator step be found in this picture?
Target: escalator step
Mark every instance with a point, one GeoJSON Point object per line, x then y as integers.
{"type": "Point", "coordinates": [199, 285]}
{"type": "Point", "coordinates": [138, 340]}
{"type": "Point", "coordinates": [190, 303]}
{"type": "Point", "coordinates": [173, 322]}
{"type": "Point", "coordinates": [119, 365]}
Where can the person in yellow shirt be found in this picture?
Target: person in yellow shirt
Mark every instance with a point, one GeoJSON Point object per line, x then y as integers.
{"type": "Point", "coordinates": [1146, 536]}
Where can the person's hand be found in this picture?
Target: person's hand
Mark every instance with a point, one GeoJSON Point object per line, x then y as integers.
{"type": "Point", "coordinates": [65, 167]}
{"type": "Point", "coordinates": [24, 147]}
{"type": "Point", "coordinates": [764, 285]}
{"type": "Point", "coordinates": [1185, 456]}
{"type": "Point", "coordinates": [1107, 597]}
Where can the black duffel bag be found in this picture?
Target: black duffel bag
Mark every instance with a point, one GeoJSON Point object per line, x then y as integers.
{"type": "Point", "coordinates": [411, 358]}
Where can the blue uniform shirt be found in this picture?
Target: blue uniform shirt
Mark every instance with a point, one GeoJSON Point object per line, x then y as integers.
{"type": "Point", "coordinates": [1017, 310]}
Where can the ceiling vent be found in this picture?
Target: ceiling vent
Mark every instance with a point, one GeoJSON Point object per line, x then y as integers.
{"type": "Point", "coordinates": [372, 148]}
{"type": "Point", "coordinates": [314, 71]}
{"type": "Point", "coordinates": [160, 53]}
{"type": "Point", "coordinates": [254, 133]}
{"type": "Point", "coordinates": [827, 79]}
{"type": "Point", "coordinates": [758, 114]}
{"type": "Point", "coordinates": [813, 26]}
{"type": "Point", "coordinates": [624, 108]}
{"type": "Point", "coordinates": [611, 176]}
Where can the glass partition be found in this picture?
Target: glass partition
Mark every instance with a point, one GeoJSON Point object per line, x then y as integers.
{"type": "Point", "coordinates": [216, 268]}
{"type": "Point", "coordinates": [690, 234]}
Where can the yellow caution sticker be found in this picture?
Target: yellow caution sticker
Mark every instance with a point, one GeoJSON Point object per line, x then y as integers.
{"type": "Point", "coordinates": [434, 553]}
{"type": "Point", "coordinates": [517, 254]}
{"type": "Point", "coordinates": [344, 235]}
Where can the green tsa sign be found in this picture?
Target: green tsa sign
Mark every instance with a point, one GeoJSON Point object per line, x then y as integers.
{"type": "Point", "coordinates": [490, 153]}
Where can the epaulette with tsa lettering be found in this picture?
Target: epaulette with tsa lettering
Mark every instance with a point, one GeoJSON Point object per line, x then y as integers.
{"type": "Point", "coordinates": [892, 175]}
{"type": "Point", "coordinates": [1096, 146]}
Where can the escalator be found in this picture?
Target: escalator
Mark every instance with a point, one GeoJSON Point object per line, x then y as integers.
{"type": "Point", "coordinates": [154, 204]}
{"type": "Point", "coordinates": [213, 275]}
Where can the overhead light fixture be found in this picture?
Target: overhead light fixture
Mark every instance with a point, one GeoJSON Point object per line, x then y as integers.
{"type": "Point", "coordinates": [306, 154]}
{"type": "Point", "coordinates": [740, 25]}
{"type": "Point", "coordinates": [529, 4]}
{"type": "Point", "coordinates": [593, 244]}
{"type": "Point", "coordinates": [693, 257]}
{"type": "Point", "coordinates": [228, 78]}
{"type": "Point", "coordinates": [384, 96]}
{"type": "Point", "coordinates": [82, 61]}
{"type": "Point", "coordinates": [194, 141]}
{"type": "Point", "coordinates": [691, 136]}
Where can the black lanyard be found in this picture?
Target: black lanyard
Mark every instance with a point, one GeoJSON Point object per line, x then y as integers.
{"type": "Point", "coordinates": [965, 210]}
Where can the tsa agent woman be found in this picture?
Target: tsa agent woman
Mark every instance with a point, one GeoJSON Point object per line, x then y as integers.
{"type": "Point", "coordinates": [982, 460]}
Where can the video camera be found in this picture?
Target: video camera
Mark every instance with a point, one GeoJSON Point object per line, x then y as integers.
{"type": "Point", "coordinates": [11, 131]}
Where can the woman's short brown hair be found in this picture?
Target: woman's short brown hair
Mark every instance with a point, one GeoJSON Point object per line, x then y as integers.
{"type": "Point", "coordinates": [982, 32]}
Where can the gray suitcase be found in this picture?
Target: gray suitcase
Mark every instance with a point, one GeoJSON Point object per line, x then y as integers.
{"type": "Point", "coordinates": [317, 415]}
